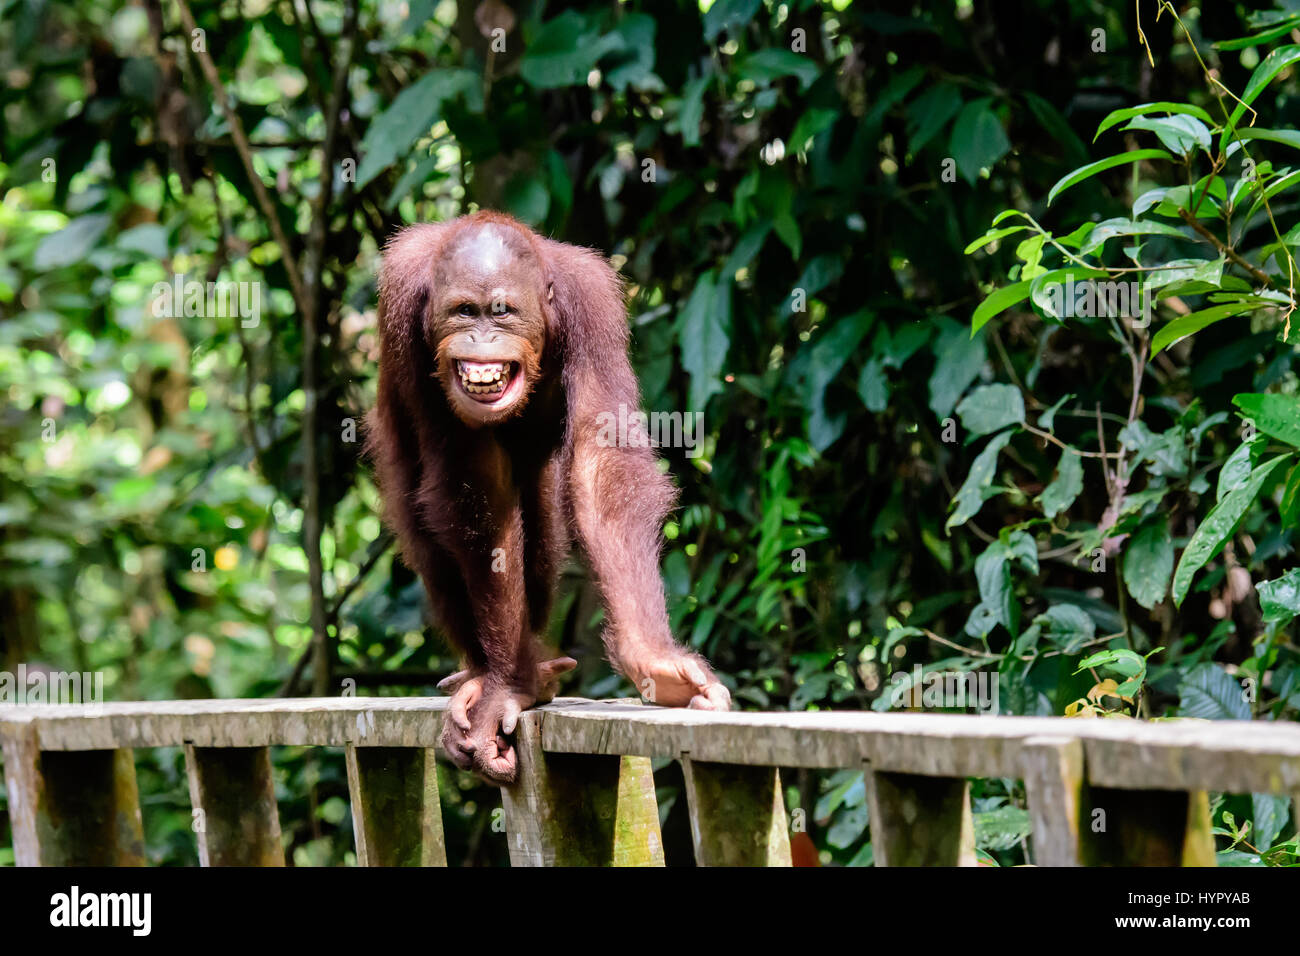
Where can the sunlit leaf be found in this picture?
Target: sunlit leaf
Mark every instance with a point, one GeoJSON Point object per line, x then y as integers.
{"type": "Point", "coordinates": [1275, 415]}
{"type": "Point", "coordinates": [1100, 166]}
{"type": "Point", "coordinates": [1118, 116]}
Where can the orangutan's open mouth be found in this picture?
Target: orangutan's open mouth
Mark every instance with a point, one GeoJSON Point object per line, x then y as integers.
{"type": "Point", "coordinates": [492, 383]}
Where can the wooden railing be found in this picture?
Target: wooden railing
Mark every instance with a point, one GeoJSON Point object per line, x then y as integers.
{"type": "Point", "coordinates": [1098, 791]}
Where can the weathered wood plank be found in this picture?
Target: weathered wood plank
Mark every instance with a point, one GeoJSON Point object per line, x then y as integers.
{"type": "Point", "coordinates": [72, 809]}
{"type": "Point", "coordinates": [396, 815]}
{"type": "Point", "coordinates": [306, 722]}
{"type": "Point", "coordinates": [239, 822]}
{"type": "Point", "coordinates": [918, 820]}
{"type": "Point", "coordinates": [1145, 828]}
{"type": "Point", "coordinates": [1239, 757]}
{"type": "Point", "coordinates": [23, 787]}
{"type": "Point", "coordinates": [1053, 772]}
{"type": "Point", "coordinates": [737, 814]}
{"type": "Point", "coordinates": [580, 810]}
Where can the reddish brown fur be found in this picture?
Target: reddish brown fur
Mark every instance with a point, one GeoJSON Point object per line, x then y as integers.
{"type": "Point", "coordinates": [454, 490]}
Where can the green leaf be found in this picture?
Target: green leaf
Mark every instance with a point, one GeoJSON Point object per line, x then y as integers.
{"type": "Point", "coordinates": [1279, 599]}
{"type": "Point", "coordinates": [978, 140]}
{"type": "Point", "coordinates": [1218, 527]}
{"type": "Point", "coordinates": [1128, 112]}
{"type": "Point", "coordinates": [894, 350]}
{"type": "Point", "coordinates": [728, 15]}
{"type": "Point", "coordinates": [1001, 828]}
{"type": "Point", "coordinates": [409, 117]}
{"type": "Point", "coordinates": [873, 386]}
{"type": "Point", "coordinates": [1148, 563]}
{"type": "Point", "coordinates": [1101, 165]}
{"type": "Point", "coordinates": [993, 575]}
{"type": "Point", "coordinates": [692, 110]}
{"type": "Point", "coordinates": [999, 300]}
{"type": "Point", "coordinates": [631, 59]}
{"type": "Point", "coordinates": [828, 355]}
{"type": "Point", "coordinates": [992, 236]}
{"type": "Point", "coordinates": [148, 238]}
{"type": "Point", "coordinates": [822, 271]}
{"type": "Point", "coordinates": [814, 121]}
{"type": "Point", "coordinates": [1060, 494]}
{"type": "Point", "coordinates": [1209, 271]}
{"type": "Point", "coordinates": [1182, 134]}
{"type": "Point", "coordinates": [958, 360]}
{"type": "Point", "coordinates": [975, 489]}
{"type": "Point", "coordinates": [1185, 325]}
{"type": "Point", "coordinates": [1127, 664]}
{"type": "Point", "coordinates": [1164, 453]}
{"type": "Point", "coordinates": [1275, 185]}
{"type": "Point", "coordinates": [1268, 813]}
{"type": "Point", "coordinates": [1068, 626]}
{"type": "Point", "coordinates": [746, 248]}
{"type": "Point", "coordinates": [1290, 508]}
{"type": "Point", "coordinates": [981, 620]}
{"type": "Point", "coordinates": [1277, 416]}
{"type": "Point", "coordinates": [1047, 419]}
{"type": "Point", "coordinates": [1209, 692]}
{"type": "Point", "coordinates": [1279, 29]}
{"type": "Point", "coordinates": [72, 243]}
{"type": "Point", "coordinates": [564, 51]}
{"type": "Point", "coordinates": [990, 408]}
{"type": "Point", "coordinates": [420, 172]}
{"type": "Point", "coordinates": [1287, 137]}
{"type": "Point", "coordinates": [929, 113]}
{"type": "Point", "coordinates": [1113, 228]}
{"type": "Point", "coordinates": [1122, 661]}
{"type": "Point", "coordinates": [1235, 471]}
{"type": "Point", "coordinates": [1273, 64]}
{"type": "Point", "coordinates": [774, 63]}
{"type": "Point", "coordinates": [1030, 252]}
{"type": "Point", "coordinates": [1078, 236]}
{"type": "Point", "coordinates": [704, 334]}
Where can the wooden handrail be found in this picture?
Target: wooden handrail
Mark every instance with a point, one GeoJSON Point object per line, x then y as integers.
{"type": "Point", "coordinates": [1151, 776]}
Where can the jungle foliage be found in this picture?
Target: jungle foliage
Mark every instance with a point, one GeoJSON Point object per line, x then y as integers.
{"type": "Point", "coordinates": [989, 309]}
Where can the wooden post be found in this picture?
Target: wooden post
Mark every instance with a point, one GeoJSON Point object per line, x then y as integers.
{"type": "Point", "coordinates": [737, 814]}
{"type": "Point", "coordinates": [1145, 828]}
{"type": "Point", "coordinates": [396, 816]}
{"type": "Point", "coordinates": [917, 820]}
{"type": "Point", "coordinates": [238, 823]}
{"type": "Point", "coordinates": [579, 810]}
{"type": "Point", "coordinates": [72, 808]}
{"type": "Point", "coordinates": [1054, 787]}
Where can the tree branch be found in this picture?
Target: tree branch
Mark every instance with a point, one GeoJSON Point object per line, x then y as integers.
{"type": "Point", "coordinates": [1258, 274]}
{"type": "Point", "coordinates": [246, 154]}
{"type": "Point", "coordinates": [315, 258]}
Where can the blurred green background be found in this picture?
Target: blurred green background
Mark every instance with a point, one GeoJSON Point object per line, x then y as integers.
{"type": "Point", "coordinates": [788, 189]}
